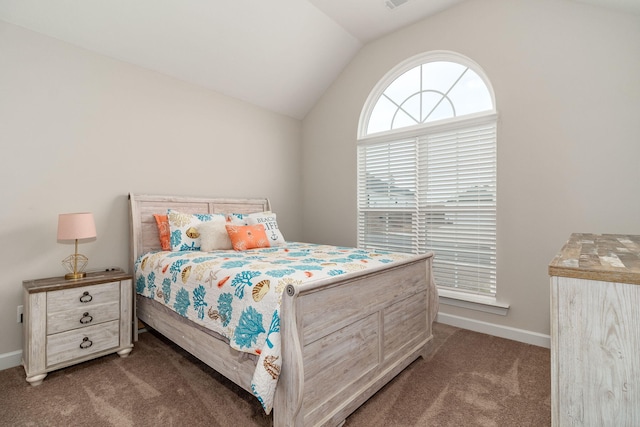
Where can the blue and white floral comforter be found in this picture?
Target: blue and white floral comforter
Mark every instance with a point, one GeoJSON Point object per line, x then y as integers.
{"type": "Point", "coordinates": [238, 294]}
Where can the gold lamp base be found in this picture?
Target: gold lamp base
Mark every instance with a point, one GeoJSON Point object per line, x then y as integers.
{"type": "Point", "coordinates": [75, 265]}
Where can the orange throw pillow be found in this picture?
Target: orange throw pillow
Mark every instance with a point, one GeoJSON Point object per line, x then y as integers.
{"type": "Point", "coordinates": [163, 231]}
{"type": "Point", "coordinates": [245, 237]}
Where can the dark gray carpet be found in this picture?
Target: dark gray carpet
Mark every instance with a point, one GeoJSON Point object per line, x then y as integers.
{"type": "Point", "coordinates": [470, 379]}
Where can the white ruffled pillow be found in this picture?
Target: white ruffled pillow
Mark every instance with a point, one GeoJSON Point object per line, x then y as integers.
{"type": "Point", "coordinates": [214, 236]}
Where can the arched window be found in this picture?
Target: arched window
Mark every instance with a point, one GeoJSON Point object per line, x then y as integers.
{"type": "Point", "coordinates": [427, 168]}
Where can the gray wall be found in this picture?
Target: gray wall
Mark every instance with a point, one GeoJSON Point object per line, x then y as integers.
{"type": "Point", "coordinates": [79, 131]}
{"type": "Point", "coordinates": [566, 78]}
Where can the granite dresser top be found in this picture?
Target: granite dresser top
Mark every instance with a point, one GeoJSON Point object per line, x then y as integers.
{"type": "Point", "coordinates": [603, 257]}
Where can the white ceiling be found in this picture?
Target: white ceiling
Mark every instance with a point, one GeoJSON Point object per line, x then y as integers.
{"type": "Point", "coordinates": [281, 55]}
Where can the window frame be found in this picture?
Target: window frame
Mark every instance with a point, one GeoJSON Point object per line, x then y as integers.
{"type": "Point", "coordinates": [448, 294]}
{"type": "Point", "coordinates": [403, 67]}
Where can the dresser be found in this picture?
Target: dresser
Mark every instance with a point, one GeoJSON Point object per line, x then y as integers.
{"type": "Point", "coordinates": [595, 331]}
{"type": "Point", "coordinates": [71, 321]}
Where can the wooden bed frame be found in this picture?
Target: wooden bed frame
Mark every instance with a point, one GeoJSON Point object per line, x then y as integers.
{"type": "Point", "coordinates": [343, 338]}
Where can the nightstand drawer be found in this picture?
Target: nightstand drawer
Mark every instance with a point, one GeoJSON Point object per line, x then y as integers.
{"type": "Point", "coordinates": [82, 317]}
{"type": "Point", "coordinates": [85, 296]}
{"type": "Point", "coordinates": [78, 343]}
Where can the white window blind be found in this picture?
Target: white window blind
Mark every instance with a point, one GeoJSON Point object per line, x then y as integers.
{"type": "Point", "coordinates": [434, 192]}
{"type": "Point", "coordinates": [387, 199]}
{"type": "Point", "coordinates": [458, 190]}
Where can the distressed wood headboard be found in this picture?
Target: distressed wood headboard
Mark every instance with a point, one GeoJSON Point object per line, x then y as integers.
{"type": "Point", "coordinates": [143, 228]}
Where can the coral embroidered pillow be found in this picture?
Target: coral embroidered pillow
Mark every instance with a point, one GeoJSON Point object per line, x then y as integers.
{"type": "Point", "coordinates": [185, 235]}
{"type": "Point", "coordinates": [214, 236]}
{"type": "Point", "coordinates": [245, 237]}
{"type": "Point", "coordinates": [164, 232]}
{"type": "Point", "coordinates": [268, 219]}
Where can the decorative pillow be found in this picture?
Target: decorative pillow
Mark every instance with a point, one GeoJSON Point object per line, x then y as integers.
{"type": "Point", "coordinates": [237, 219]}
{"type": "Point", "coordinates": [164, 232]}
{"type": "Point", "coordinates": [268, 219]}
{"type": "Point", "coordinates": [245, 237]}
{"type": "Point", "coordinates": [214, 236]}
{"type": "Point", "coordinates": [185, 235]}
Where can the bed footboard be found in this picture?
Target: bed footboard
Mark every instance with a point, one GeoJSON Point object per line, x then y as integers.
{"type": "Point", "coordinates": [343, 341]}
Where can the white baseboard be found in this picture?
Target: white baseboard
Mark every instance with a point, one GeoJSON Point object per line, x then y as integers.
{"type": "Point", "coordinates": [10, 360]}
{"type": "Point", "coordinates": [521, 335]}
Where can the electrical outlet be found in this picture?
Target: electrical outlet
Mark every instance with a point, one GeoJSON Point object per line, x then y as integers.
{"type": "Point", "coordinates": [20, 311]}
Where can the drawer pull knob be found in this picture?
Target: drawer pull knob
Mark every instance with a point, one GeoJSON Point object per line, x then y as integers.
{"type": "Point", "coordinates": [86, 318]}
{"type": "Point", "coordinates": [86, 343]}
{"type": "Point", "coordinates": [86, 297]}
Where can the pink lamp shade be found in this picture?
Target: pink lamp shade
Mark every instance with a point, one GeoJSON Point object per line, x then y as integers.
{"type": "Point", "coordinates": [72, 226]}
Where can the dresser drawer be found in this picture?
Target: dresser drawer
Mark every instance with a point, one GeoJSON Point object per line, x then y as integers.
{"type": "Point", "coordinates": [82, 317]}
{"type": "Point", "coordinates": [82, 342]}
{"type": "Point", "coordinates": [85, 296]}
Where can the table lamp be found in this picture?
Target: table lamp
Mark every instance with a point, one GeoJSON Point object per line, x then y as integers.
{"type": "Point", "coordinates": [76, 226]}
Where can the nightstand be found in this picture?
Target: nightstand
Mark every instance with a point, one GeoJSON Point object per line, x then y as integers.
{"type": "Point", "coordinates": [72, 321]}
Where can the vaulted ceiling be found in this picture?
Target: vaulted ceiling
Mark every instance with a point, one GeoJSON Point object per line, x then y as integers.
{"type": "Point", "coordinates": [280, 55]}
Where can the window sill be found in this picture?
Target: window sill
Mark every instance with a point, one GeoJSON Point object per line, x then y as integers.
{"type": "Point", "coordinates": [472, 302]}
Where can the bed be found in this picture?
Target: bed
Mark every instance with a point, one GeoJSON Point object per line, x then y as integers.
{"type": "Point", "coordinates": [341, 337]}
